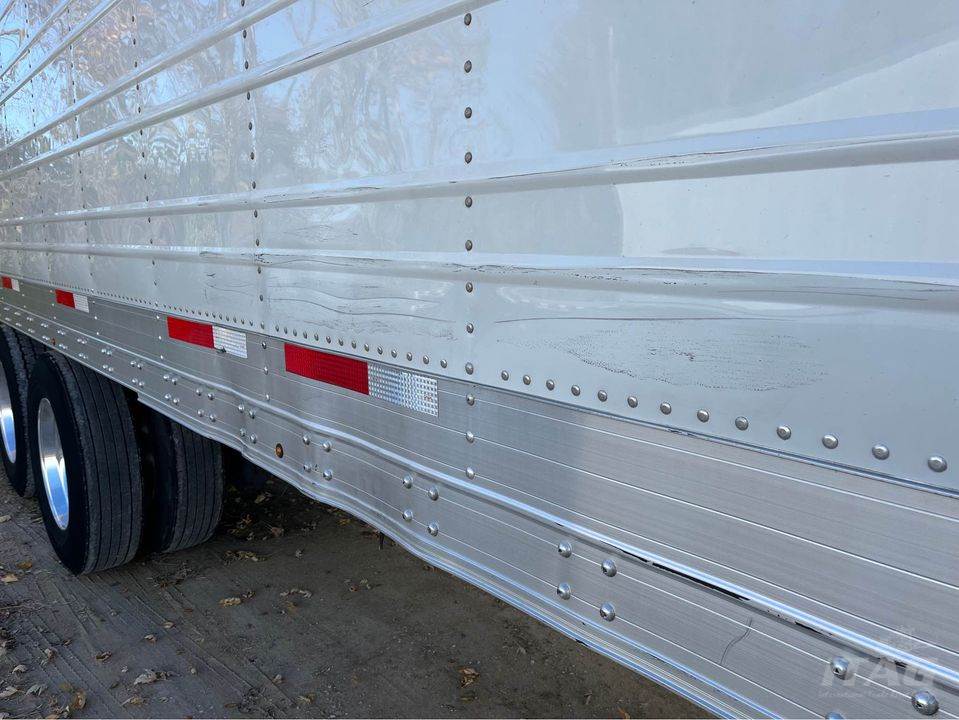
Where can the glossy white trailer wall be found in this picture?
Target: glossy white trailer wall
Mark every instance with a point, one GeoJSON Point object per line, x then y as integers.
{"type": "Point", "coordinates": [732, 220]}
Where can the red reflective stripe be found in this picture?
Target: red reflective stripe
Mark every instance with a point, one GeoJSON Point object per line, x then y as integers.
{"type": "Point", "coordinates": [325, 367]}
{"type": "Point", "coordinates": [189, 331]}
{"type": "Point", "coordinates": [65, 298]}
{"type": "Point", "coordinates": [7, 283]}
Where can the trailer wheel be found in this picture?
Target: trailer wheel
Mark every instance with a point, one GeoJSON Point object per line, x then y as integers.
{"type": "Point", "coordinates": [85, 459]}
{"type": "Point", "coordinates": [185, 471]}
{"type": "Point", "coordinates": [17, 355]}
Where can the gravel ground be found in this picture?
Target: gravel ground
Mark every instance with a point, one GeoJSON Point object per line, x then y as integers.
{"type": "Point", "coordinates": [293, 609]}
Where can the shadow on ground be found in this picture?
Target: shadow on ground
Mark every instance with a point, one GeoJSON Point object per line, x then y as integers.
{"type": "Point", "coordinates": [293, 609]}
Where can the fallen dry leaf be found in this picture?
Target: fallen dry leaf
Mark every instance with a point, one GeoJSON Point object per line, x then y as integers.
{"type": "Point", "coordinates": [8, 691]}
{"type": "Point", "coordinates": [79, 701]}
{"type": "Point", "coordinates": [103, 655]}
{"type": "Point", "coordinates": [243, 555]}
{"type": "Point", "coordinates": [9, 578]}
{"type": "Point", "coordinates": [151, 638]}
{"type": "Point", "coordinates": [230, 601]}
{"type": "Point", "coordinates": [623, 714]}
{"type": "Point", "coordinates": [4, 518]}
{"type": "Point", "coordinates": [276, 531]}
{"type": "Point", "coordinates": [468, 676]}
{"type": "Point", "coordinates": [262, 498]}
{"type": "Point", "coordinates": [277, 679]}
{"type": "Point", "coordinates": [297, 591]}
{"type": "Point", "coordinates": [25, 564]}
{"type": "Point", "coordinates": [20, 668]}
{"type": "Point", "coordinates": [36, 690]}
{"type": "Point", "coordinates": [49, 654]}
{"type": "Point", "coordinates": [168, 624]}
{"type": "Point", "coordinates": [135, 700]}
{"type": "Point", "coordinates": [147, 677]}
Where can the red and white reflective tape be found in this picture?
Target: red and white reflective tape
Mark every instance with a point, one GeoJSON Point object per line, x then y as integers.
{"type": "Point", "coordinates": [10, 283]}
{"type": "Point", "coordinates": [232, 342]}
{"type": "Point", "coordinates": [73, 300]}
{"type": "Point", "coordinates": [393, 385]}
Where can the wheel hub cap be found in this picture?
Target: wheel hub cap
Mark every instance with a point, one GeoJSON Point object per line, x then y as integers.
{"type": "Point", "coordinates": [52, 467]}
{"type": "Point", "coordinates": [7, 427]}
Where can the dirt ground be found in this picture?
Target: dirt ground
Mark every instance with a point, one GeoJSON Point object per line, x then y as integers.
{"type": "Point", "coordinates": [292, 610]}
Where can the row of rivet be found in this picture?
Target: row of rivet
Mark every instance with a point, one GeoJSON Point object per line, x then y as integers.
{"type": "Point", "coordinates": [936, 463]}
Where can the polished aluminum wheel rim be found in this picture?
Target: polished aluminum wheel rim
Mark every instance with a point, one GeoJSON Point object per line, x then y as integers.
{"type": "Point", "coordinates": [7, 427]}
{"type": "Point", "coordinates": [52, 467]}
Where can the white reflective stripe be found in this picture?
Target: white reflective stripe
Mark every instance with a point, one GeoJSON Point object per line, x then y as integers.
{"type": "Point", "coordinates": [232, 341]}
{"type": "Point", "coordinates": [15, 284]}
{"type": "Point", "coordinates": [409, 390]}
{"type": "Point", "coordinates": [80, 303]}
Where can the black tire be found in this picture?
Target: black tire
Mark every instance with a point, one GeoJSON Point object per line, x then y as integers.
{"type": "Point", "coordinates": [17, 356]}
{"type": "Point", "coordinates": [185, 473]}
{"type": "Point", "coordinates": [104, 487]}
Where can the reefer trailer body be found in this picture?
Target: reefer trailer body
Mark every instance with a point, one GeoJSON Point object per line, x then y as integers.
{"type": "Point", "coordinates": [641, 316]}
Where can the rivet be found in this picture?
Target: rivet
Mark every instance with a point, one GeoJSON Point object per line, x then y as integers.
{"type": "Point", "coordinates": [366, 347]}
{"type": "Point", "coordinates": [564, 591]}
{"type": "Point", "coordinates": [467, 18]}
{"type": "Point", "coordinates": [468, 112]}
{"type": "Point", "coordinates": [550, 385]}
{"type": "Point", "coordinates": [467, 66]}
{"type": "Point", "coordinates": [434, 493]}
{"type": "Point", "coordinates": [409, 356]}
{"type": "Point", "coordinates": [426, 359]}
{"type": "Point", "coordinates": [880, 452]}
{"type": "Point", "coordinates": [469, 327]}
{"type": "Point", "coordinates": [307, 467]}
{"type": "Point", "coordinates": [834, 715]}
{"type": "Point", "coordinates": [575, 390]}
{"type": "Point", "coordinates": [468, 157]}
{"type": "Point", "coordinates": [602, 396]}
{"type": "Point", "coordinates": [665, 408]}
{"type": "Point", "coordinates": [565, 548]}
{"type": "Point", "coordinates": [469, 245]}
{"type": "Point", "coordinates": [469, 287]}
{"type": "Point", "coordinates": [741, 423]}
{"type": "Point", "coordinates": [937, 463]}
{"type": "Point", "coordinates": [504, 375]}
{"type": "Point", "coordinates": [252, 413]}
{"type": "Point", "coordinates": [470, 399]}
{"type": "Point", "coordinates": [607, 612]}
{"type": "Point", "coordinates": [379, 350]}
{"type": "Point", "coordinates": [443, 364]}
{"type": "Point", "coordinates": [470, 437]}
{"type": "Point", "coordinates": [925, 703]}
{"type": "Point", "coordinates": [408, 515]}
{"type": "Point", "coordinates": [327, 474]}
{"type": "Point", "coordinates": [209, 396]}
{"type": "Point", "coordinates": [328, 340]}
{"type": "Point", "coordinates": [340, 341]}
{"type": "Point", "coordinates": [609, 568]}
{"type": "Point", "coordinates": [433, 529]}
{"type": "Point", "coordinates": [468, 201]}
{"type": "Point", "coordinates": [470, 473]}
{"type": "Point", "coordinates": [840, 667]}
{"type": "Point", "coordinates": [831, 442]}
{"type": "Point", "coordinates": [352, 343]}
{"type": "Point", "coordinates": [278, 450]}
{"type": "Point", "coordinates": [527, 379]}
{"type": "Point", "coordinates": [469, 368]}
{"type": "Point", "coordinates": [408, 481]}
{"type": "Point", "coordinates": [253, 438]}
{"type": "Point", "coordinates": [306, 439]}
{"type": "Point", "coordinates": [393, 353]}
{"type": "Point", "coordinates": [784, 432]}
{"type": "Point", "coordinates": [702, 415]}
{"type": "Point", "coordinates": [632, 401]}
{"type": "Point", "coordinates": [327, 446]}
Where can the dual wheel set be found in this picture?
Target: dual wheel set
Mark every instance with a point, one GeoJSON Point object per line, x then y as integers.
{"type": "Point", "coordinates": [112, 476]}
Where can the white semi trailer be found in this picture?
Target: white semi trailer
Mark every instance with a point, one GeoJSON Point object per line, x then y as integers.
{"type": "Point", "coordinates": [641, 316]}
